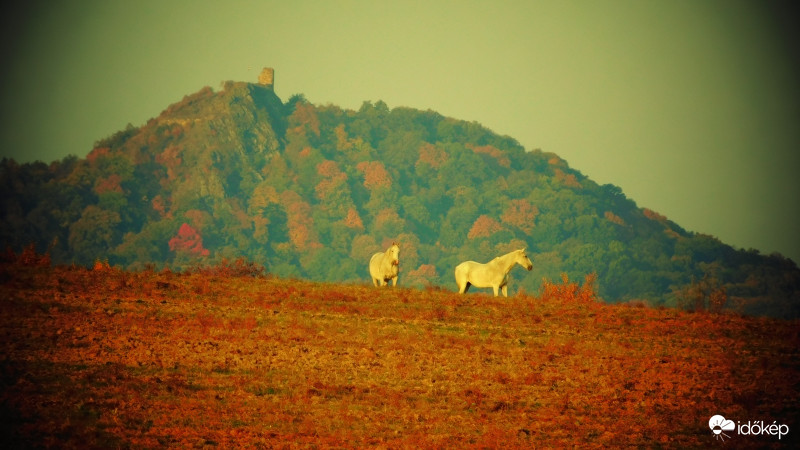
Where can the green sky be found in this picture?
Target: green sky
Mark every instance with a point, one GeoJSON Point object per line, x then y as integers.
{"type": "Point", "coordinates": [691, 107]}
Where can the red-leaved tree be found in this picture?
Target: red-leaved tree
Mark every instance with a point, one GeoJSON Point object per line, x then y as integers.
{"type": "Point", "coordinates": [300, 223]}
{"type": "Point", "coordinates": [110, 183]}
{"type": "Point", "coordinates": [494, 152]}
{"type": "Point", "coordinates": [353, 219]}
{"type": "Point", "coordinates": [375, 175]}
{"type": "Point", "coordinates": [189, 241]}
{"type": "Point", "coordinates": [431, 155]}
{"type": "Point", "coordinates": [484, 226]}
{"type": "Point", "coordinates": [333, 180]}
{"type": "Point", "coordinates": [520, 213]}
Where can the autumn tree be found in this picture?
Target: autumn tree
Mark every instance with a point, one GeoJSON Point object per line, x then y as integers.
{"type": "Point", "coordinates": [499, 156]}
{"type": "Point", "coordinates": [353, 220]}
{"type": "Point", "coordinates": [704, 294]}
{"type": "Point", "coordinates": [484, 226]}
{"type": "Point", "coordinates": [111, 183]}
{"type": "Point", "coordinates": [568, 179]}
{"type": "Point", "coordinates": [160, 206]}
{"type": "Point", "coordinates": [302, 232]}
{"type": "Point", "coordinates": [613, 218]}
{"type": "Point", "coordinates": [422, 276]}
{"type": "Point", "coordinates": [332, 191]}
{"type": "Point", "coordinates": [171, 159]}
{"type": "Point", "coordinates": [375, 175]}
{"type": "Point", "coordinates": [304, 118]}
{"type": "Point", "coordinates": [354, 149]}
{"type": "Point", "coordinates": [188, 241]}
{"type": "Point", "coordinates": [520, 213]}
{"type": "Point", "coordinates": [431, 156]}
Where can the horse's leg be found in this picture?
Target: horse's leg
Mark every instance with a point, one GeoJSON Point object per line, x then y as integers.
{"type": "Point", "coordinates": [494, 288]}
{"type": "Point", "coordinates": [505, 290]}
{"type": "Point", "coordinates": [375, 282]}
{"type": "Point", "coordinates": [394, 281]}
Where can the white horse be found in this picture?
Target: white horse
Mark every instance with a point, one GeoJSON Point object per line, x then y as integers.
{"type": "Point", "coordinates": [384, 266]}
{"type": "Point", "coordinates": [493, 274]}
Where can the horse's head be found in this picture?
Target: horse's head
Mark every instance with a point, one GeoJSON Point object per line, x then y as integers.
{"type": "Point", "coordinates": [394, 253]}
{"type": "Point", "coordinates": [522, 259]}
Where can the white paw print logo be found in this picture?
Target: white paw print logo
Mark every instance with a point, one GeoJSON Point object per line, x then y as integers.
{"type": "Point", "coordinates": [719, 425]}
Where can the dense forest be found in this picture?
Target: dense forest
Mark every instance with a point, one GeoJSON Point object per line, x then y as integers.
{"type": "Point", "coordinates": [311, 191]}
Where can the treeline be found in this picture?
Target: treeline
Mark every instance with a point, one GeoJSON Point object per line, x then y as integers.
{"type": "Point", "coordinates": [310, 191]}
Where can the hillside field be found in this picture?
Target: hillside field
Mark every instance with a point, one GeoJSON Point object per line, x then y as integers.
{"type": "Point", "coordinates": [229, 356]}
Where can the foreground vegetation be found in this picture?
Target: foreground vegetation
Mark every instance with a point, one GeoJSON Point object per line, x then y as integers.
{"type": "Point", "coordinates": [229, 356]}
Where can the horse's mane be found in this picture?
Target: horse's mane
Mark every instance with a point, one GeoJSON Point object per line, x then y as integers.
{"type": "Point", "coordinates": [503, 255]}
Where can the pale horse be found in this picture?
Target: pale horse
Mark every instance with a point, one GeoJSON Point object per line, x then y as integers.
{"type": "Point", "coordinates": [493, 274]}
{"type": "Point", "coordinates": [384, 266]}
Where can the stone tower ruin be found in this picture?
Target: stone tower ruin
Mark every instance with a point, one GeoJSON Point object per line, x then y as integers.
{"type": "Point", "coordinates": [267, 77]}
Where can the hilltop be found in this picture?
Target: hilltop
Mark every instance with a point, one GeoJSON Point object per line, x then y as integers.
{"type": "Point", "coordinates": [311, 191]}
{"type": "Point", "coordinates": [229, 356]}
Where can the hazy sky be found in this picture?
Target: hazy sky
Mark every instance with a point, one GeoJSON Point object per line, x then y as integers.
{"type": "Point", "coordinates": [691, 107]}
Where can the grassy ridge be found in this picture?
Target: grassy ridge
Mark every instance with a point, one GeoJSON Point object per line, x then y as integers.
{"type": "Point", "coordinates": [148, 359]}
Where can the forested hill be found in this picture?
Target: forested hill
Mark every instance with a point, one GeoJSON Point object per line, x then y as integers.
{"type": "Point", "coordinates": [311, 191]}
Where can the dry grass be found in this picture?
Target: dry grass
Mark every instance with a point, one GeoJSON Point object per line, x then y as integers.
{"type": "Point", "coordinates": [104, 358]}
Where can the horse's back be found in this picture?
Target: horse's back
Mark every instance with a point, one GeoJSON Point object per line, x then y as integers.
{"type": "Point", "coordinates": [475, 273]}
{"type": "Point", "coordinates": [467, 266]}
{"type": "Point", "coordinates": [463, 271]}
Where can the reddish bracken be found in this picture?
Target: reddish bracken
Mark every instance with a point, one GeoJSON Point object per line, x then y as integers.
{"type": "Point", "coordinates": [227, 356]}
